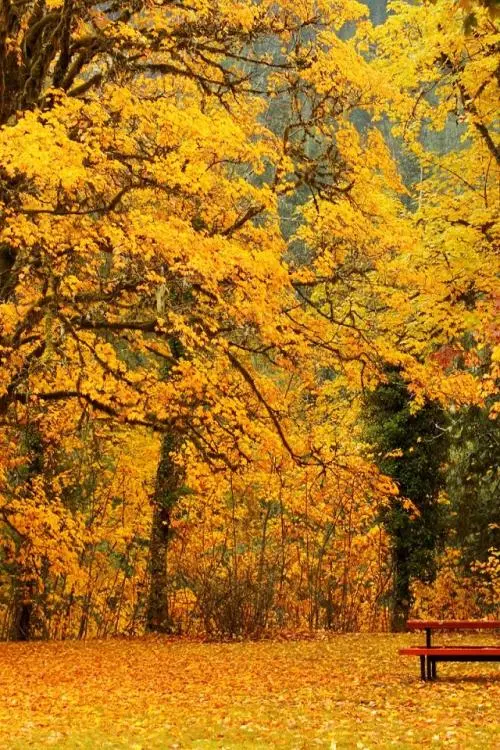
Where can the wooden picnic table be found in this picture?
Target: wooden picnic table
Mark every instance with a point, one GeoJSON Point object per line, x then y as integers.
{"type": "Point", "coordinates": [430, 655]}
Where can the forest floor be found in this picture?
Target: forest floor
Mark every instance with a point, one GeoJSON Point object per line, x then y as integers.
{"type": "Point", "coordinates": [351, 691]}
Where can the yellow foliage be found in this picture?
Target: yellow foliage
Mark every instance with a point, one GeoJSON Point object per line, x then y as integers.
{"type": "Point", "coordinates": [148, 289]}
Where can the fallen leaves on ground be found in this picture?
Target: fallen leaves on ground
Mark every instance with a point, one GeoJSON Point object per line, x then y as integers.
{"type": "Point", "coordinates": [350, 691]}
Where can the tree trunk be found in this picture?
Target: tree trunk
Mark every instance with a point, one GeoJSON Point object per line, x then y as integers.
{"type": "Point", "coordinates": [169, 487]}
{"type": "Point", "coordinates": [22, 619]}
{"type": "Point", "coordinates": [158, 617]}
{"type": "Point", "coordinates": [401, 592]}
{"type": "Point", "coordinates": [399, 616]}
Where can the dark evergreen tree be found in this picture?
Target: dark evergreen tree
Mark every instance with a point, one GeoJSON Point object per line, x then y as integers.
{"type": "Point", "coordinates": [473, 484]}
{"type": "Point", "coordinates": [422, 438]}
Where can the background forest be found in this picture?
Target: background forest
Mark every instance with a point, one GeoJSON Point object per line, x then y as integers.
{"type": "Point", "coordinates": [249, 346]}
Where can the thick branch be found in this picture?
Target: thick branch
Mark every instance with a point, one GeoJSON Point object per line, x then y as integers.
{"type": "Point", "coordinates": [272, 414]}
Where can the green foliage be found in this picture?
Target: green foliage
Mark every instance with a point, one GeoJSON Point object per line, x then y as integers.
{"type": "Point", "coordinates": [411, 448]}
{"type": "Point", "coordinates": [473, 484]}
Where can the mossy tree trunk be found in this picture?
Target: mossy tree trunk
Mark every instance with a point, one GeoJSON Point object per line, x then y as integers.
{"type": "Point", "coordinates": [169, 487]}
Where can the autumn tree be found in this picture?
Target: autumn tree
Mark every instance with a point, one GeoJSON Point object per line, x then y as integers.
{"type": "Point", "coordinates": [443, 60]}
{"type": "Point", "coordinates": [83, 279]}
{"type": "Point", "coordinates": [410, 292]}
{"type": "Point", "coordinates": [155, 236]}
{"type": "Point", "coordinates": [450, 80]}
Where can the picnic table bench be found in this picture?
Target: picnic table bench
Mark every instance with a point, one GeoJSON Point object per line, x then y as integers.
{"type": "Point", "coordinates": [430, 655]}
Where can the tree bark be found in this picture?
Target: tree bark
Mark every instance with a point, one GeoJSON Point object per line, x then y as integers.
{"type": "Point", "coordinates": [401, 593]}
{"type": "Point", "coordinates": [169, 487]}
{"type": "Point", "coordinates": [22, 619]}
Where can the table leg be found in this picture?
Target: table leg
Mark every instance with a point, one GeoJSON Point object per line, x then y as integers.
{"type": "Point", "coordinates": [422, 668]}
{"type": "Point", "coordinates": [429, 668]}
{"type": "Point", "coordinates": [428, 644]}
{"type": "Point", "coordinates": [433, 669]}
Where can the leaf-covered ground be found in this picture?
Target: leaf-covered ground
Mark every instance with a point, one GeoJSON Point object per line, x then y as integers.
{"type": "Point", "coordinates": [342, 692]}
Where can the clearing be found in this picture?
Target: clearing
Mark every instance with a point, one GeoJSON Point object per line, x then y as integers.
{"type": "Point", "coordinates": [350, 691]}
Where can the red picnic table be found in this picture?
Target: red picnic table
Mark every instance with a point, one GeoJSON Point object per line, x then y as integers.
{"type": "Point", "coordinates": [430, 655]}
